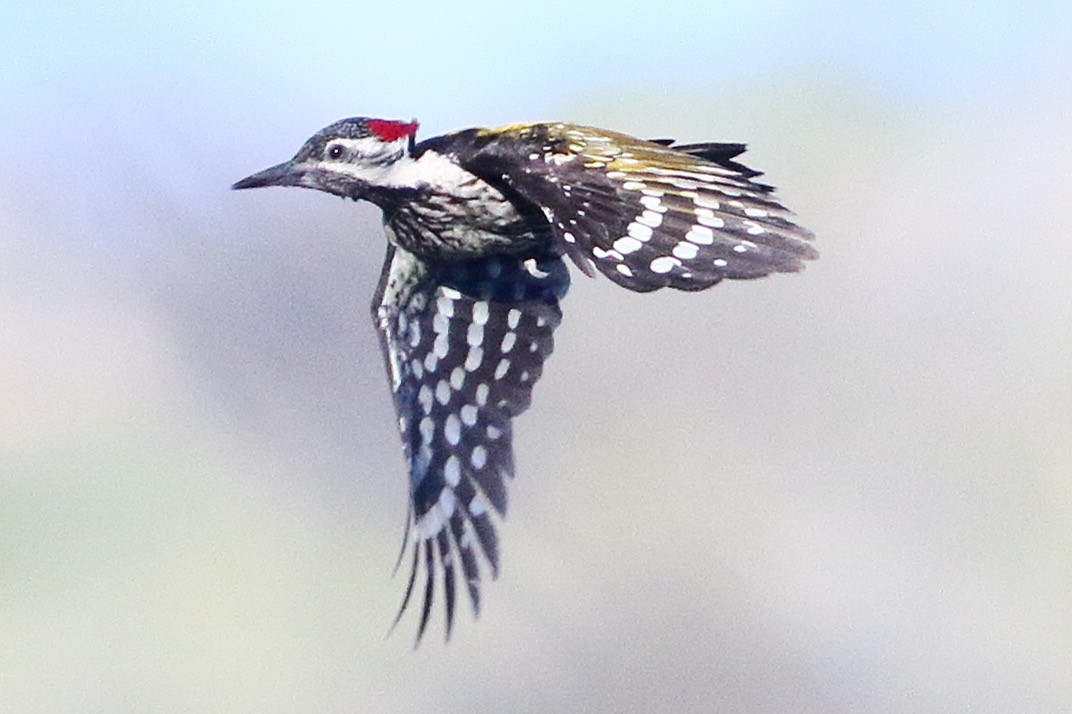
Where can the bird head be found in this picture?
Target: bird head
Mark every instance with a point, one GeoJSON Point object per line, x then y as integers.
{"type": "Point", "coordinates": [346, 158]}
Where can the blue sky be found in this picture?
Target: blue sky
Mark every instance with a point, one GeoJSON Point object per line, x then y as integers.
{"type": "Point", "coordinates": [468, 61]}
{"type": "Point", "coordinates": [99, 95]}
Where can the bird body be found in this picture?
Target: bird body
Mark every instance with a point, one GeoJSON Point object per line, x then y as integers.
{"type": "Point", "coordinates": [479, 225]}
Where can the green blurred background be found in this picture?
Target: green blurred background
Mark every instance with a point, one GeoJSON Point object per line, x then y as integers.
{"type": "Point", "coordinates": [848, 490]}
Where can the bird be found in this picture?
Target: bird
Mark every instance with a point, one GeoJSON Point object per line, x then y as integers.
{"type": "Point", "coordinates": [480, 225]}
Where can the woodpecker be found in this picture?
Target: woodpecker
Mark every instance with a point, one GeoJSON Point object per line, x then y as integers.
{"type": "Point", "coordinates": [479, 225]}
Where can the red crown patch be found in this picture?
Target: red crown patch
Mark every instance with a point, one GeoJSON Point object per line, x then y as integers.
{"type": "Point", "coordinates": [392, 130]}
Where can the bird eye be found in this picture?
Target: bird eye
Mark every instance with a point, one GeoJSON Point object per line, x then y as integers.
{"type": "Point", "coordinates": [335, 151]}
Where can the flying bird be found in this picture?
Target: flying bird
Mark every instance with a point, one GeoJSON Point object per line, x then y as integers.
{"type": "Point", "coordinates": [479, 225]}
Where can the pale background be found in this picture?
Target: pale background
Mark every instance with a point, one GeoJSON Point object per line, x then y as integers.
{"type": "Point", "coordinates": [848, 490]}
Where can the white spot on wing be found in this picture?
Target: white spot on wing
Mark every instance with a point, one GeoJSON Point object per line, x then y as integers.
{"type": "Point", "coordinates": [639, 231]}
{"type": "Point", "coordinates": [475, 334]}
{"type": "Point", "coordinates": [457, 378]}
{"type": "Point", "coordinates": [425, 398]}
{"type": "Point", "coordinates": [452, 472]}
{"type": "Point", "coordinates": [440, 347]}
{"type": "Point", "coordinates": [508, 341]}
{"type": "Point", "coordinates": [480, 312]}
{"type": "Point", "coordinates": [654, 204]}
{"type": "Point", "coordinates": [429, 525]}
{"type": "Point", "coordinates": [627, 244]}
{"type": "Point", "coordinates": [445, 306]}
{"type": "Point", "coordinates": [452, 429]}
{"type": "Point", "coordinates": [701, 235]}
{"type": "Point", "coordinates": [478, 505]}
{"type": "Point", "coordinates": [533, 269]}
{"type": "Point", "coordinates": [474, 358]}
{"type": "Point", "coordinates": [685, 251]}
{"type": "Point", "coordinates": [650, 218]}
{"type": "Point", "coordinates": [664, 264]}
{"type": "Point", "coordinates": [712, 221]}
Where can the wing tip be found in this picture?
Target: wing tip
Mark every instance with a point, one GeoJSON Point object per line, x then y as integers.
{"type": "Point", "coordinates": [452, 544]}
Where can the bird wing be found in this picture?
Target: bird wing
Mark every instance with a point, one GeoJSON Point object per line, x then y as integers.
{"type": "Point", "coordinates": [645, 213]}
{"type": "Point", "coordinates": [464, 343]}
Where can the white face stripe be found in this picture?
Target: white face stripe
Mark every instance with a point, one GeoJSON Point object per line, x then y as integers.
{"type": "Point", "coordinates": [369, 148]}
{"type": "Point", "coordinates": [388, 164]}
{"type": "Point", "coordinates": [368, 159]}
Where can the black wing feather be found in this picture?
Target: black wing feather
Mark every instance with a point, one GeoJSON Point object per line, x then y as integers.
{"type": "Point", "coordinates": [647, 214]}
{"type": "Point", "coordinates": [464, 343]}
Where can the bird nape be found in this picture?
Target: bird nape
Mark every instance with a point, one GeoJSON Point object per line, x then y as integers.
{"type": "Point", "coordinates": [479, 223]}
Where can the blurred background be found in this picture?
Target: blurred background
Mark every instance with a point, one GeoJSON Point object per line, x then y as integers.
{"type": "Point", "coordinates": [848, 490]}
